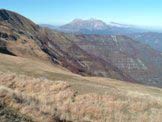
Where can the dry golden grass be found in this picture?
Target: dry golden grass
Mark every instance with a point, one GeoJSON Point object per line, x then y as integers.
{"type": "Point", "coordinates": [35, 98]}
{"type": "Point", "coordinates": [79, 99]}
{"type": "Point", "coordinates": [49, 101]}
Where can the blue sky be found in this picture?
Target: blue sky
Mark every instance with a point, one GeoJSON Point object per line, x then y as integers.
{"type": "Point", "coordinates": [137, 12]}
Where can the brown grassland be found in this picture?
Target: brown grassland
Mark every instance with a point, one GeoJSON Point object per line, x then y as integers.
{"type": "Point", "coordinates": [39, 91]}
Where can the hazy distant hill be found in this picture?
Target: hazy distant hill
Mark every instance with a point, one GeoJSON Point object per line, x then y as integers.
{"type": "Point", "coordinates": [48, 26]}
{"type": "Point", "coordinates": [145, 35]}
{"type": "Point", "coordinates": [153, 39]}
{"type": "Point", "coordinates": [94, 26]}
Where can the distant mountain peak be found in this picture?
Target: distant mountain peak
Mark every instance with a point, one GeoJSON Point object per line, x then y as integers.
{"type": "Point", "coordinates": [89, 24]}
{"type": "Point", "coordinates": [77, 20]}
{"type": "Point", "coordinates": [88, 20]}
{"type": "Point", "coordinates": [97, 26]}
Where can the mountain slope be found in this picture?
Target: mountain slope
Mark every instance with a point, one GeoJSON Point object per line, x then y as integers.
{"type": "Point", "coordinates": [17, 36]}
{"type": "Point", "coordinates": [17, 22]}
{"type": "Point", "coordinates": [71, 56]}
{"type": "Point", "coordinates": [117, 57]}
{"type": "Point", "coordinates": [21, 37]}
{"type": "Point", "coordinates": [139, 61]}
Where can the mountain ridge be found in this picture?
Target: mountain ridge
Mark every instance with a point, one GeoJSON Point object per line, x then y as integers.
{"type": "Point", "coordinates": [55, 47]}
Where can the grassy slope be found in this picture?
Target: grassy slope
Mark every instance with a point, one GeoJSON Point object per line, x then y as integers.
{"type": "Point", "coordinates": [49, 101]}
{"type": "Point", "coordinates": [99, 99]}
{"type": "Point", "coordinates": [36, 68]}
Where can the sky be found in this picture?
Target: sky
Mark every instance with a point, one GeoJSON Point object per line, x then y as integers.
{"type": "Point", "coordinates": [58, 12]}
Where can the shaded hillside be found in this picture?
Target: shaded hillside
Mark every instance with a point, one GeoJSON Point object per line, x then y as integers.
{"type": "Point", "coordinates": [17, 22]}
{"type": "Point", "coordinates": [17, 36]}
{"type": "Point", "coordinates": [21, 37]}
{"type": "Point", "coordinates": [139, 61]}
